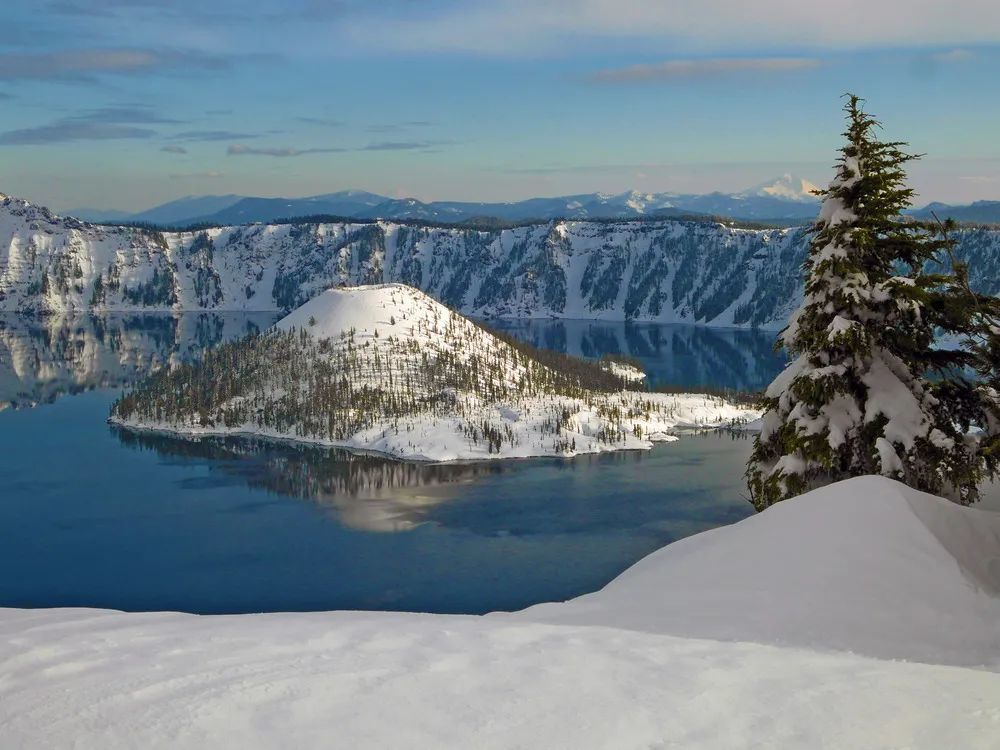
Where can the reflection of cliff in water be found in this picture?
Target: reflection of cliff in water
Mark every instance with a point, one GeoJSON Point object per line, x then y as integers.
{"type": "Point", "coordinates": [678, 354]}
{"type": "Point", "coordinates": [365, 491]}
{"type": "Point", "coordinates": [42, 358]}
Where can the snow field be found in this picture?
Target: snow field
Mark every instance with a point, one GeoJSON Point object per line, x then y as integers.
{"type": "Point", "coordinates": [835, 571]}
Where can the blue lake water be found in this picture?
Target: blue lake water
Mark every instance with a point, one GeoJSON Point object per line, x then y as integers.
{"type": "Point", "coordinates": [94, 516]}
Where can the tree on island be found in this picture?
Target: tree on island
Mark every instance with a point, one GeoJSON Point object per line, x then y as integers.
{"type": "Point", "coordinates": [867, 392]}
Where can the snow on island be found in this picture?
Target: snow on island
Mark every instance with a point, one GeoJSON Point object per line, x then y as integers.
{"type": "Point", "coordinates": [388, 369]}
{"type": "Point", "coordinates": [861, 615]}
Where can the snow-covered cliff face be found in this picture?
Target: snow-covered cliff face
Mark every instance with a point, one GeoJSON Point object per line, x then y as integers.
{"type": "Point", "coordinates": [665, 271]}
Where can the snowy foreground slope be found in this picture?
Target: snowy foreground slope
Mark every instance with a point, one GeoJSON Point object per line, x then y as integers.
{"type": "Point", "coordinates": [386, 368]}
{"type": "Point", "coordinates": [867, 566]}
{"type": "Point", "coordinates": [665, 271]}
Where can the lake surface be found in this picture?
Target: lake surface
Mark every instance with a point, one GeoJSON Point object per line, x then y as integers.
{"type": "Point", "coordinates": [96, 516]}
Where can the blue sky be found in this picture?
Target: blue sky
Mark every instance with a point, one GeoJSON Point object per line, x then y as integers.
{"type": "Point", "coordinates": [129, 103]}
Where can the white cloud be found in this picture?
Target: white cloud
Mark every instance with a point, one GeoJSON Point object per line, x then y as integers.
{"type": "Point", "coordinates": [678, 69]}
{"type": "Point", "coordinates": [240, 149]}
{"type": "Point", "coordinates": [539, 27]}
{"type": "Point", "coordinates": [85, 64]}
{"type": "Point", "coordinates": [953, 56]}
{"type": "Point", "coordinates": [197, 175]}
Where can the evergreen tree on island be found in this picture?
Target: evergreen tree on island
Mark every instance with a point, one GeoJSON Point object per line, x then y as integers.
{"type": "Point", "coordinates": [867, 393]}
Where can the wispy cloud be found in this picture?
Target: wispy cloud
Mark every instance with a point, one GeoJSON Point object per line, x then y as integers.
{"type": "Point", "coordinates": [325, 121]}
{"type": "Point", "coordinates": [952, 56]}
{"type": "Point", "coordinates": [101, 124]}
{"type": "Point", "coordinates": [174, 149]}
{"type": "Point", "coordinates": [396, 127]}
{"type": "Point", "coordinates": [86, 65]}
{"type": "Point", "coordinates": [239, 149]}
{"type": "Point", "coordinates": [212, 135]}
{"type": "Point", "coordinates": [5, 96]}
{"type": "Point", "coordinates": [574, 168]}
{"type": "Point", "coordinates": [196, 13]}
{"type": "Point", "coordinates": [533, 28]}
{"type": "Point", "coordinates": [403, 145]}
{"type": "Point", "coordinates": [196, 175]}
{"type": "Point", "coordinates": [69, 131]}
{"type": "Point", "coordinates": [131, 113]}
{"type": "Point", "coordinates": [673, 70]}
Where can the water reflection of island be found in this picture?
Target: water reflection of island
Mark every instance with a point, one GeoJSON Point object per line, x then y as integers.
{"type": "Point", "coordinates": [43, 358]}
{"type": "Point", "coordinates": [365, 491]}
{"type": "Point", "coordinates": [372, 493]}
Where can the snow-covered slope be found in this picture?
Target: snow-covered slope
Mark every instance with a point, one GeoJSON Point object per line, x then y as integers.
{"type": "Point", "coordinates": [866, 565]}
{"type": "Point", "coordinates": [611, 673]}
{"type": "Point", "coordinates": [388, 369]}
{"type": "Point", "coordinates": [665, 271]}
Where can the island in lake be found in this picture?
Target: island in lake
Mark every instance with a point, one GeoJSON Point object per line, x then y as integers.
{"type": "Point", "coordinates": [386, 368]}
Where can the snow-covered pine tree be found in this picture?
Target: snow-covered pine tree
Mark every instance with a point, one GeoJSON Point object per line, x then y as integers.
{"type": "Point", "coordinates": [983, 341]}
{"type": "Point", "coordinates": [856, 399]}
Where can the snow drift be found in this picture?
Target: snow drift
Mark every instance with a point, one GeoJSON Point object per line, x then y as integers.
{"type": "Point", "coordinates": [865, 566]}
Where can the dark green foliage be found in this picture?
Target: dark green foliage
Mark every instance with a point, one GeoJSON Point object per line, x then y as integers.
{"type": "Point", "coordinates": [160, 291]}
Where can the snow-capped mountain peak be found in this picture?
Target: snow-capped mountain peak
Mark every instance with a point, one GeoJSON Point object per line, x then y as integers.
{"type": "Point", "coordinates": [787, 187]}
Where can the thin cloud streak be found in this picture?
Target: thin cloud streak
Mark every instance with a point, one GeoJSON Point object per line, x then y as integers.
{"type": "Point", "coordinates": [675, 70]}
{"type": "Point", "coordinates": [953, 56]}
{"type": "Point", "coordinates": [101, 124]}
{"type": "Point", "coordinates": [239, 149]}
{"type": "Point", "coordinates": [540, 28]}
{"type": "Point", "coordinates": [197, 175]}
{"type": "Point", "coordinates": [403, 145]}
{"type": "Point", "coordinates": [86, 65]}
{"type": "Point", "coordinates": [70, 131]}
{"type": "Point", "coordinates": [212, 135]}
{"type": "Point", "coordinates": [324, 121]}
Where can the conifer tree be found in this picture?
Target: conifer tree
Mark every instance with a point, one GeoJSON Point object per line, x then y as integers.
{"type": "Point", "coordinates": [858, 397]}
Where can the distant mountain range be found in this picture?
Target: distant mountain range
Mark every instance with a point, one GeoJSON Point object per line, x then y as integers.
{"type": "Point", "coordinates": [786, 200]}
{"type": "Point", "coordinates": [980, 212]}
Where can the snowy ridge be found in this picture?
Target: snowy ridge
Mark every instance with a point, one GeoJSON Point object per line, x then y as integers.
{"type": "Point", "coordinates": [385, 368]}
{"type": "Point", "coordinates": [663, 271]}
{"type": "Point", "coordinates": [900, 574]}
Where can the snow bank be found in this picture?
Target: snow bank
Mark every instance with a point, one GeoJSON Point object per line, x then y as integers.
{"type": "Point", "coordinates": [866, 566]}
{"type": "Point", "coordinates": [74, 678]}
